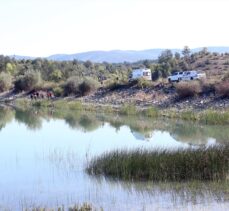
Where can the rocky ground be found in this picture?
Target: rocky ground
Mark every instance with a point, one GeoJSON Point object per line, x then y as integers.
{"type": "Point", "coordinates": [160, 96]}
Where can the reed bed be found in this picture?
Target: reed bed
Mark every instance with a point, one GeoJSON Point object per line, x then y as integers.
{"type": "Point", "coordinates": [83, 207]}
{"type": "Point", "coordinates": [203, 163]}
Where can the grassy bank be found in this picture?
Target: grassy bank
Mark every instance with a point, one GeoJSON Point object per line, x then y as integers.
{"type": "Point", "coordinates": [183, 165]}
{"type": "Point", "coordinates": [208, 116]}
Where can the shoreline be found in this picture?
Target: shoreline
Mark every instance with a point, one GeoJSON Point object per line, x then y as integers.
{"type": "Point", "coordinates": [206, 115]}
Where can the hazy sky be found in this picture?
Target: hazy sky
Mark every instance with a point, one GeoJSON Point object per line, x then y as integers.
{"type": "Point", "coordinates": [44, 27]}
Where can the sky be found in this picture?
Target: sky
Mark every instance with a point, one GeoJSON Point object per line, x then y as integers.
{"type": "Point", "coordinates": [46, 27]}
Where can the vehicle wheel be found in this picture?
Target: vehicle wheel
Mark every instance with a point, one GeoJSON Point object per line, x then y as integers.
{"type": "Point", "coordinates": [191, 78]}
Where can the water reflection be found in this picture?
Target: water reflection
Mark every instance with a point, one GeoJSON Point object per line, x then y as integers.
{"type": "Point", "coordinates": [44, 152]}
{"type": "Point", "coordinates": [142, 128]}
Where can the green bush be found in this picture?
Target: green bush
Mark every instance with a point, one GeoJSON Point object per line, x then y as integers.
{"type": "Point", "coordinates": [5, 81]}
{"type": "Point", "coordinates": [87, 86]}
{"type": "Point", "coordinates": [72, 86]}
{"type": "Point", "coordinates": [188, 89]}
{"type": "Point", "coordinates": [28, 81]}
{"type": "Point", "coordinates": [143, 83]}
{"type": "Point", "coordinates": [58, 91]}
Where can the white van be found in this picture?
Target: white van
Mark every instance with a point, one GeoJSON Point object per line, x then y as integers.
{"type": "Point", "coordinates": [141, 73]}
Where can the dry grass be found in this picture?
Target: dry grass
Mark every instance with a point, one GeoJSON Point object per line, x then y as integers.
{"type": "Point", "coordinates": [188, 89]}
{"type": "Point", "coordinates": [222, 89]}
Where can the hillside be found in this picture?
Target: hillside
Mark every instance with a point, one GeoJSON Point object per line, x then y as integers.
{"type": "Point", "coordinates": [119, 56]}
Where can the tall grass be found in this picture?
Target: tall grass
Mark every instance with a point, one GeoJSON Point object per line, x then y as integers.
{"type": "Point", "coordinates": [151, 112]}
{"type": "Point", "coordinates": [83, 207]}
{"type": "Point", "coordinates": [204, 163]}
{"type": "Point", "coordinates": [128, 109]}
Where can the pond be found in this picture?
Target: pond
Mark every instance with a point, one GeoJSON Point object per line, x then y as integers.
{"type": "Point", "coordinates": [43, 155]}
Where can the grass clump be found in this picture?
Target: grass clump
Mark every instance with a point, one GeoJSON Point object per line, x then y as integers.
{"type": "Point", "coordinates": [128, 110]}
{"type": "Point", "coordinates": [151, 112]}
{"type": "Point", "coordinates": [22, 103]}
{"type": "Point", "coordinates": [83, 207]}
{"type": "Point", "coordinates": [214, 117]}
{"type": "Point", "coordinates": [75, 105]}
{"type": "Point", "coordinates": [203, 163]}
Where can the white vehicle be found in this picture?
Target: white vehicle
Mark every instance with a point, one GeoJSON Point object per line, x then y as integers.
{"type": "Point", "coordinates": [192, 75]}
{"type": "Point", "coordinates": [141, 73]}
{"type": "Point", "coordinates": [186, 76]}
{"type": "Point", "coordinates": [175, 77]}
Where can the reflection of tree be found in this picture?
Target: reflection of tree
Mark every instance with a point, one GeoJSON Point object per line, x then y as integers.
{"type": "Point", "coordinates": [196, 133]}
{"type": "Point", "coordinates": [183, 131]}
{"type": "Point", "coordinates": [6, 116]}
{"type": "Point", "coordinates": [86, 122]}
{"type": "Point", "coordinates": [135, 123]}
{"type": "Point", "coordinates": [30, 118]}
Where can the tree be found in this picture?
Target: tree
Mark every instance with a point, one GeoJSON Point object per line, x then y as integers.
{"type": "Point", "coordinates": [29, 81]}
{"type": "Point", "coordinates": [56, 75]}
{"type": "Point", "coordinates": [204, 51]}
{"type": "Point", "coordinates": [186, 52]}
{"type": "Point", "coordinates": [5, 81]}
{"type": "Point", "coordinates": [165, 56]}
{"type": "Point", "coordinates": [10, 68]}
{"type": "Point", "coordinates": [177, 56]}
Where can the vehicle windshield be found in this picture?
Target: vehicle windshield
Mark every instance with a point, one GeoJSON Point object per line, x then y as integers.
{"type": "Point", "coordinates": [175, 73]}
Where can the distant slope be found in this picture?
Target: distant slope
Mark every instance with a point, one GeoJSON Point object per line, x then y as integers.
{"type": "Point", "coordinates": [18, 57]}
{"type": "Point", "coordinates": [118, 56]}
{"type": "Point", "coordinates": [115, 56]}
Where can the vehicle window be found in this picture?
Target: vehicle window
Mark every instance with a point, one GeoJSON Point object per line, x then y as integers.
{"type": "Point", "coordinates": [146, 74]}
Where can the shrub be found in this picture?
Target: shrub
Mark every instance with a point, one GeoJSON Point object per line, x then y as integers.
{"type": "Point", "coordinates": [58, 91]}
{"type": "Point", "coordinates": [222, 89]}
{"type": "Point", "coordinates": [207, 86]}
{"type": "Point", "coordinates": [28, 81]}
{"type": "Point", "coordinates": [72, 86]}
{"type": "Point", "coordinates": [142, 83]}
{"type": "Point", "coordinates": [188, 89]}
{"type": "Point", "coordinates": [87, 86]}
{"type": "Point", "coordinates": [5, 81]}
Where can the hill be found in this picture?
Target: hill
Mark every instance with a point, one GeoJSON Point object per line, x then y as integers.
{"type": "Point", "coordinates": [118, 56]}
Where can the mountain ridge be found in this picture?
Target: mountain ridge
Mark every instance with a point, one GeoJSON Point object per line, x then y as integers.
{"type": "Point", "coordinates": [118, 56]}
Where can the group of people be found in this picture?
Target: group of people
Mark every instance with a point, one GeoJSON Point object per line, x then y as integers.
{"type": "Point", "coordinates": [42, 95]}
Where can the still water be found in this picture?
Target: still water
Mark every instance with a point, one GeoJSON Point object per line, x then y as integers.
{"type": "Point", "coordinates": [43, 155]}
